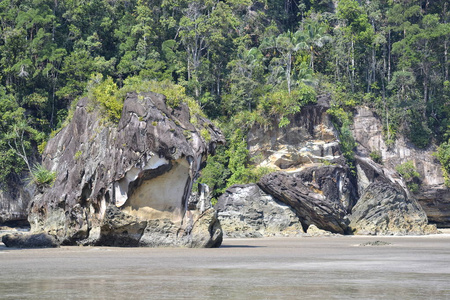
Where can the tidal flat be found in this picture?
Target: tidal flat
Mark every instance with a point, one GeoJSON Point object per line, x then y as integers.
{"type": "Point", "coordinates": [337, 267]}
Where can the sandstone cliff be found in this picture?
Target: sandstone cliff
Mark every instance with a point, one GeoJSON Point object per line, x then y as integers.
{"type": "Point", "coordinates": [309, 138]}
{"type": "Point", "coordinates": [128, 184]}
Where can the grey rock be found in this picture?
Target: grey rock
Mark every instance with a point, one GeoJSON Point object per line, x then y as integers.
{"type": "Point", "coordinates": [435, 201]}
{"type": "Point", "coordinates": [206, 231]}
{"type": "Point", "coordinates": [40, 240]}
{"type": "Point", "coordinates": [386, 210]}
{"type": "Point", "coordinates": [313, 230]}
{"type": "Point", "coordinates": [246, 211]}
{"type": "Point", "coordinates": [375, 243]}
{"type": "Point", "coordinates": [120, 229]}
{"type": "Point", "coordinates": [319, 195]}
{"type": "Point", "coordinates": [117, 184]}
{"type": "Point", "coordinates": [14, 203]}
{"type": "Point", "coordinates": [433, 196]}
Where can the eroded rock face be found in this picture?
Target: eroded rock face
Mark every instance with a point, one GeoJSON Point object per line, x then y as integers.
{"type": "Point", "coordinates": [309, 138]}
{"type": "Point", "coordinates": [433, 196]}
{"type": "Point", "coordinates": [322, 196]}
{"type": "Point", "coordinates": [325, 198]}
{"type": "Point", "coordinates": [14, 204]}
{"type": "Point", "coordinates": [245, 211]}
{"type": "Point", "coordinates": [385, 209]}
{"type": "Point", "coordinates": [125, 184]}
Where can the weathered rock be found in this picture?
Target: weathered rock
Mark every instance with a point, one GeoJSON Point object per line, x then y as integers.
{"type": "Point", "coordinates": [384, 209]}
{"type": "Point", "coordinates": [367, 172]}
{"type": "Point", "coordinates": [120, 184]}
{"type": "Point", "coordinates": [120, 229]}
{"type": "Point", "coordinates": [435, 201]}
{"type": "Point", "coordinates": [14, 204]}
{"type": "Point", "coordinates": [40, 240]}
{"type": "Point", "coordinates": [313, 230]}
{"type": "Point", "coordinates": [309, 138]}
{"type": "Point", "coordinates": [319, 195]}
{"type": "Point", "coordinates": [433, 196]}
{"type": "Point", "coordinates": [206, 231]}
{"type": "Point", "coordinates": [246, 211]}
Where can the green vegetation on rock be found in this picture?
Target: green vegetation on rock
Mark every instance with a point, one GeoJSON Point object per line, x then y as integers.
{"type": "Point", "coordinates": [443, 154]}
{"type": "Point", "coordinates": [410, 175]}
{"type": "Point", "coordinates": [40, 176]}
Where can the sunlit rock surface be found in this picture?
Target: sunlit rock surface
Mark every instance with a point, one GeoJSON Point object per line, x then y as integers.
{"type": "Point", "coordinates": [246, 211]}
{"type": "Point", "coordinates": [433, 196]}
{"type": "Point", "coordinates": [384, 209]}
{"type": "Point", "coordinates": [321, 188]}
{"type": "Point", "coordinates": [321, 196]}
{"type": "Point", "coordinates": [309, 138]}
{"type": "Point", "coordinates": [14, 204]}
{"type": "Point", "coordinates": [128, 184]}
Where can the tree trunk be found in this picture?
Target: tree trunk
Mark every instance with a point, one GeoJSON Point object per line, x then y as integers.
{"type": "Point", "coordinates": [389, 57]}
{"type": "Point", "coordinates": [288, 72]}
{"type": "Point", "coordinates": [353, 64]}
{"type": "Point", "coordinates": [445, 59]}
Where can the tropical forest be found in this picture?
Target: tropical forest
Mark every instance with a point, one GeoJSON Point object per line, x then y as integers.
{"type": "Point", "coordinates": [236, 62]}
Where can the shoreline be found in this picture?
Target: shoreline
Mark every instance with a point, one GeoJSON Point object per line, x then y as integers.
{"type": "Point", "coordinates": [442, 234]}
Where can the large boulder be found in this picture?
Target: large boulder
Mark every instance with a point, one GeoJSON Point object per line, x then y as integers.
{"type": "Point", "coordinates": [40, 240]}
{"type": "Point", "coordinates": [246, 211]}
{"type": "Point", "coordinates": [125, 184]}
{"type": "Point", "coordinates": [387, 210]}
{"type": "Point", "coordinates": [322, 196]}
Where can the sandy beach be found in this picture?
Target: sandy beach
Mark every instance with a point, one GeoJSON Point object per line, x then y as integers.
{"type": "Point", "coordinates": [340, 267]}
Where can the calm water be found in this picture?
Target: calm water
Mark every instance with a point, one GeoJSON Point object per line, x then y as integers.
{"type": "Point", "coordinates": [276, 268]}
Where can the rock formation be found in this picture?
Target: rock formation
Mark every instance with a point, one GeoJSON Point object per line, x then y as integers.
{"type": "Point", "coordinates": [309, 138]}
{"type": "Point", "coordinates": [128, 184]}
{"type": "Point", "coordinates": [384, 209]}
{"type": "Point", "coordinates": [40, 240]}
{"type": "Point", "coordinates": [322, 196]}
{"type": "Point", "coordinates": [246, 211]}
{"type": "Point", "coordinates": [433, 196]}
{"type": "Point", "coordinates": [14, 205]}
{"type": "Point", "coordinates": [318, 184]}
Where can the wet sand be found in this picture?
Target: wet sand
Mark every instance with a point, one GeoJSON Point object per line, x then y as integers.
{"type": "Point", "coordinates": [269, 268]}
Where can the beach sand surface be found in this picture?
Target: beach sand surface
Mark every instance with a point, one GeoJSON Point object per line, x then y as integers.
{"type": "Point", "coordinates": [337, 267]}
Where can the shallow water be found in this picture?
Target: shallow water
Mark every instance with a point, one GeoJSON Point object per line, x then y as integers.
{"type": "Point", "coordinates": [275, 268]}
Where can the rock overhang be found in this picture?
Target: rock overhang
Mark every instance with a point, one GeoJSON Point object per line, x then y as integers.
{"type": "Point", "coordinates": [144, 166]}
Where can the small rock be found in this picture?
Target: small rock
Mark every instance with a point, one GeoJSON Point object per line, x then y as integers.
{"type": "Point", "coordinates": [376, 243]}
{"type": "Point", "coordinates": [313, 230]}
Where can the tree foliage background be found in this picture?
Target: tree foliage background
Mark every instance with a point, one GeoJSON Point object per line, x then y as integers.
{"type": "Point", "coordinates": [243, 61]}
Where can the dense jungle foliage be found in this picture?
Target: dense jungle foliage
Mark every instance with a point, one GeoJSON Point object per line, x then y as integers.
{"type": "Point", "coordinates": [241, 61]}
